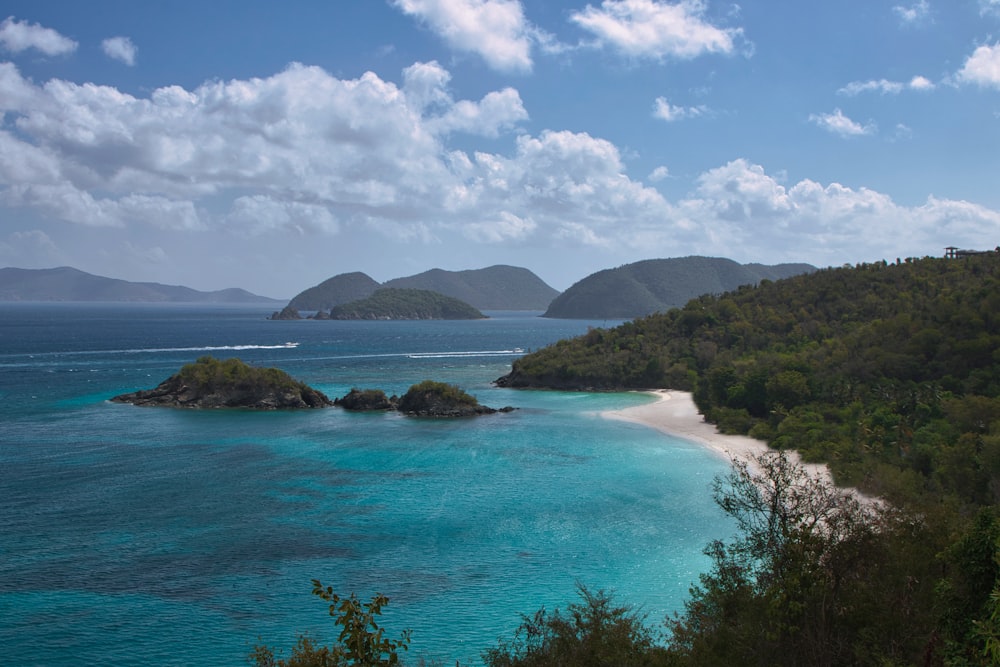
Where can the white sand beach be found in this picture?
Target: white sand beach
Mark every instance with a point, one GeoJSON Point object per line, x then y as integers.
{"type": "Point", "coordinates": [676, 414]}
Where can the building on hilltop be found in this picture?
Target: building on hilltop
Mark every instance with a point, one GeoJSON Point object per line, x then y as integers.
{"type": "Point", "coordinates": [951, 252]}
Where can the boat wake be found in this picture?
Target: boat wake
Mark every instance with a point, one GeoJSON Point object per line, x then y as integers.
{"type": "Point", "coordinates": [463, 355]}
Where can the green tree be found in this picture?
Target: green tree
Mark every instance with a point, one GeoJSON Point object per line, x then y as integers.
{"type": "Point", "coordinates": [595, 632]}
{"type": "Point", "coordinates": [361, 643]}
{"type": "Point", "coordinates": [793, 587]}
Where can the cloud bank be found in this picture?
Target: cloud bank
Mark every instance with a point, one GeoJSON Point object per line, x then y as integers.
{"type": "Point", "coordinates": [306, 155]}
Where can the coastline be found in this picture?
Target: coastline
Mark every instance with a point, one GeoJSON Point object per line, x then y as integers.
{"type": "Point", "coordinates": [675, 414]}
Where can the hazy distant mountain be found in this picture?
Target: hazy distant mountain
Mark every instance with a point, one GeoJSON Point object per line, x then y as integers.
{"type": "Point", "coordinates": [492, 288]}
{"type": "Point", "coordinates": [653, 285]}
{"type": "Point", "coordinates": [68, 284]}
{"type": "Point", "coordinates": [335, 291]}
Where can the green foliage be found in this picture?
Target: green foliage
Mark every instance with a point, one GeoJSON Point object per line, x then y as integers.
{"type": "Point", "coordinates": [391, 303]}
{"type": "Point", "coordinates": [361, 643]}
{"type": "Point", "coordinates": [867, 368]}
{"type": "Point", "coordinates": [209, 374]}
{"type": "Point", "coordinates": [362, 640]}
{"type": "Point", "coordinates": [889, 374]}
{"type": "Point", "coordinates": [805, 581]}
{"type": "Point", "coordinates": [430, 390]}
{"type": "Point", "coordinates": [596, 632]}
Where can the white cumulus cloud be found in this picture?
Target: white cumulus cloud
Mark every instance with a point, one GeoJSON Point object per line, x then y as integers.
{"type": "Point", "coordinates": [655, 29]}
{"type": "Point", "coordinates": [19, 36]}
{"type": "Point", "coordinates": [495, 30]}
{"type": "Point", "coordinates": [306, 154]}
{"type": "Point", "coordinates": [982, 67]}
{"type": "Point", "coordinates": [838, 123]}
{"type": "Point", "coordinates": [748, 209]}
{"type": "Point", "coordinates": [120, 48]}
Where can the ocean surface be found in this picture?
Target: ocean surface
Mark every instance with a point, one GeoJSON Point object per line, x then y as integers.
{"type": "Point", "coordinates": [152, 536]}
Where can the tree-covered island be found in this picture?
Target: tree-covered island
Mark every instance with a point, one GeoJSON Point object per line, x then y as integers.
{"type": "Point", "coordinates": [230, 383]}
{"type": "Point", "coordinates": [392, 303]}
{"type": "Point", "coordinates": [424, 399]}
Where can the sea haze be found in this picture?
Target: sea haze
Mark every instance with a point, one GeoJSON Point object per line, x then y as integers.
{"type": "Point", "coordinates": [138, 536]}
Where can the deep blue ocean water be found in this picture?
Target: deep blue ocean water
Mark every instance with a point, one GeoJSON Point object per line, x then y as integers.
{"type": "Point", "coordinates": [137, 536]}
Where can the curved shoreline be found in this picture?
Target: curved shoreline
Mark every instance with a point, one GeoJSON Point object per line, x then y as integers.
{"type": "Point", "coordinates": [675, 414]}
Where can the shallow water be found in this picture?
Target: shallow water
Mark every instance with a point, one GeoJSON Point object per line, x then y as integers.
{"type": "Point", "coordinates": [135, 536]}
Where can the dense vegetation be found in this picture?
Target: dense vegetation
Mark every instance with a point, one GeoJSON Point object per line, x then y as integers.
{"type": "Point", "coordinates": [438, 399]}
{"type": "Point", "coordinates": [890, 373]}
{"type": "Point", "coordinates": [653, 285]}
{"type": "Point", "coordinates": [229, 383]}
{"type": "Point", "coordinates": [406, 304]}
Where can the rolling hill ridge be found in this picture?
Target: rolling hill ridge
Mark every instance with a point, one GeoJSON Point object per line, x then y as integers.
{"type": "Point", "coordinates": [655, 285]}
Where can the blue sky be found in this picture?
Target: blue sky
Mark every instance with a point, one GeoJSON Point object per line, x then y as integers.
{"type": "Point", "coordinates": [272, 145]}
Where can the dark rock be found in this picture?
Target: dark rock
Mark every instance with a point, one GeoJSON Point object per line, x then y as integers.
{"type": "Point", "coordinates": [210, 383]}
{"type": "Point", "coordinates": [286, 313]}
{"type": "Point", "coordinates": [437, 399]}
{"type": "Point", "coordinates": [366, 400]}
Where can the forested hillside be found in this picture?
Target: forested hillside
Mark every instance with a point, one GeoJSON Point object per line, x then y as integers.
{"type": "Point", "coordinates": [653, 285]}
{"type": "Point", "coordinates": [493, 288]}
{"type": "Point", "coordinates": [890, 373]}
{"type": "Point", "coordinates": [497, 287]}
{"type": "Point", "coordinates": [340, 289]}
{"type": "Point", "coordinates": [846, 365]}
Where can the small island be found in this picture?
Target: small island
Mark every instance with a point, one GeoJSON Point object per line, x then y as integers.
{"type": "Point", "coordinates": [425, 399]}
{"type": "Point", "coordinates": [211, 383]}
{"type": "Point", "coordinates": [391, 303]}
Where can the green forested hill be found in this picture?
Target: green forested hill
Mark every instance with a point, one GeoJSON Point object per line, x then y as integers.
{"type": "Point", "coordinates": [653, 285]}
{"type": "Point", "coordinates": [875, 366]}
{"type": "Point", "coordinates": [342, 288]}
{"type": "Point", "coordinates": [493, 288]}
{"type": "Point", "coordinates": [890, 373]}
{"type": "Point", "coordinates": [389, 303]}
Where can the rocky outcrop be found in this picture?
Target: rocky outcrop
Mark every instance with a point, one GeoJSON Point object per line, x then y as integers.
{"type": "Point", "coordinates": [286, 313]}
{"type": "Point", "coordinates": [426, 399]}
{"type": "Point", "coordinates": [366, 400]}
{"type": "Point", "coordinates": [210, 383]}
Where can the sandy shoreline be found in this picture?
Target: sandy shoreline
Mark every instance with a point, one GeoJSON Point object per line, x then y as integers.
{"type": "Point", "coordinates": [676, 414]}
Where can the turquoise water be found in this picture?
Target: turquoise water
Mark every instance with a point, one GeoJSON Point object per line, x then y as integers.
{"type": "Point", "coordinates": [137, 536]}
